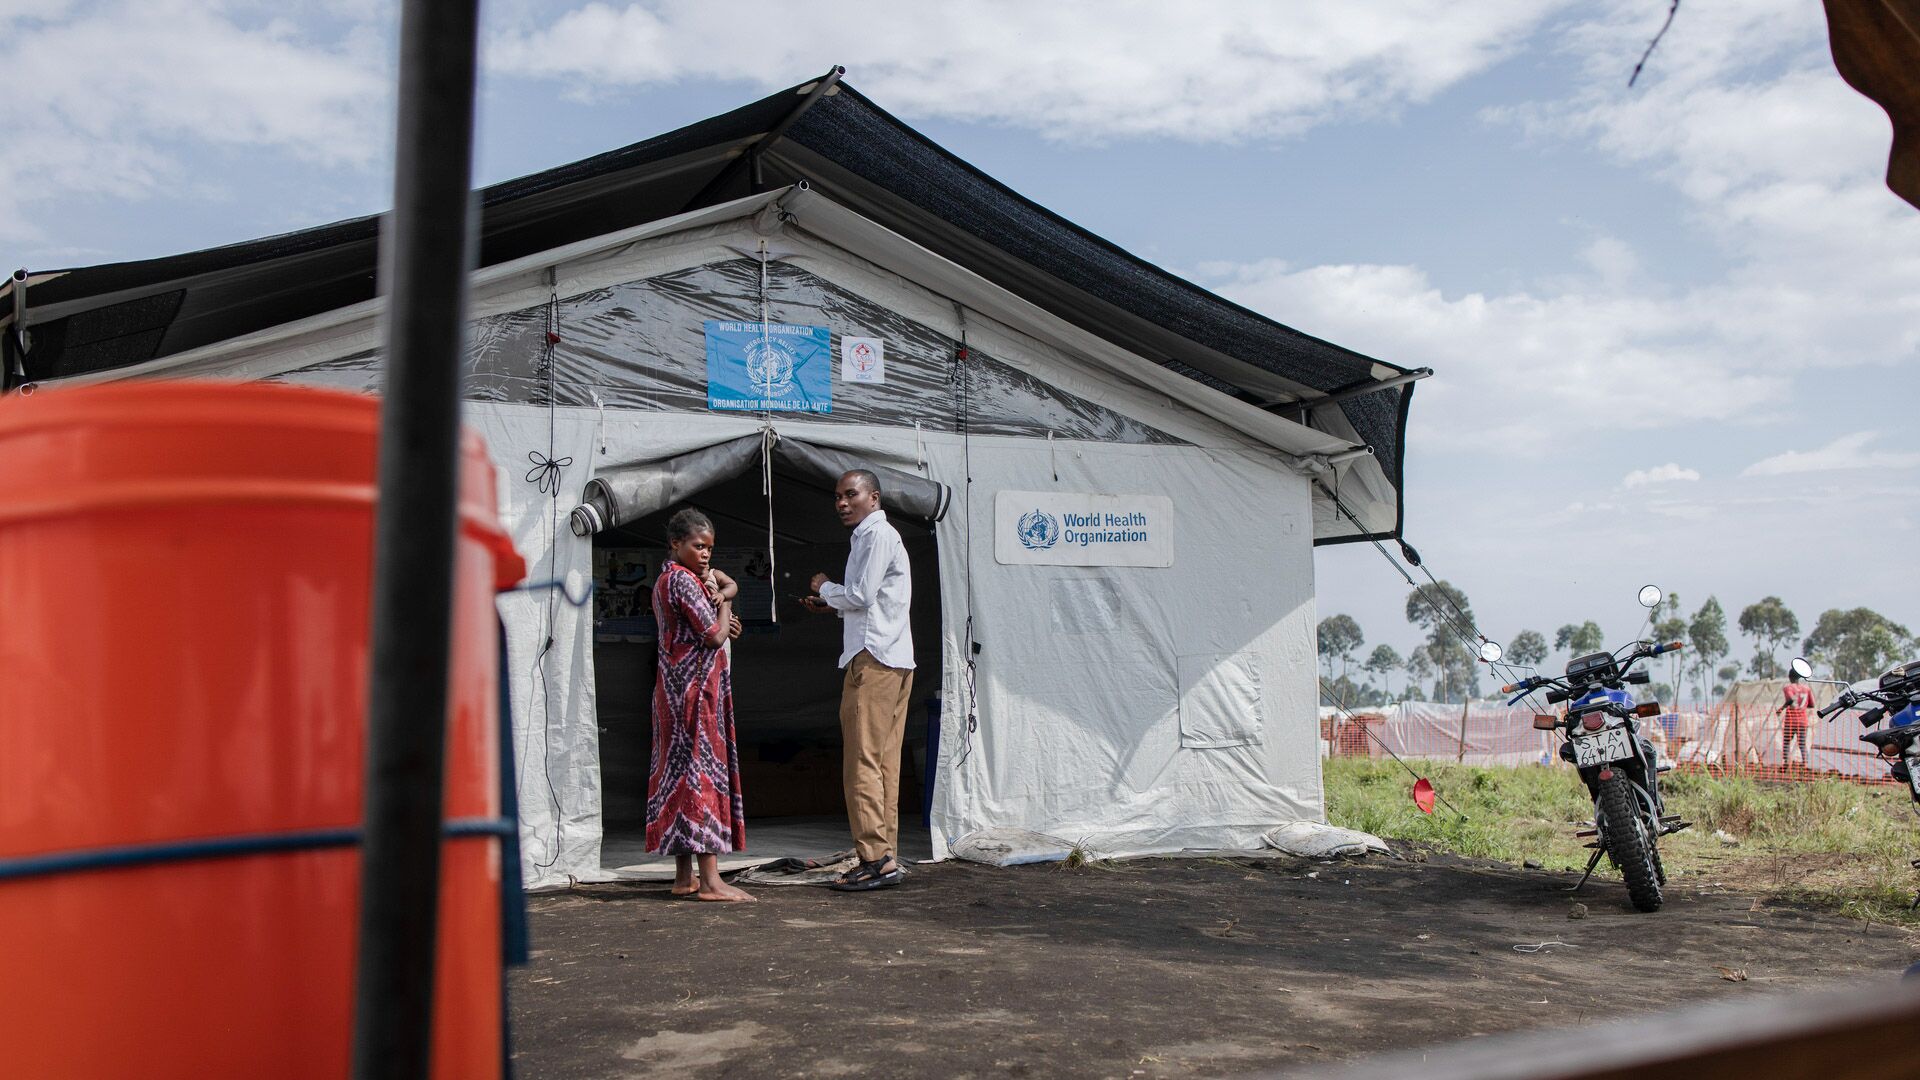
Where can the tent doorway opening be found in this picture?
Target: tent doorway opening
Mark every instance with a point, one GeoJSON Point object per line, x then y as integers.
{"type": "Point", "coordinates": [786, 675]}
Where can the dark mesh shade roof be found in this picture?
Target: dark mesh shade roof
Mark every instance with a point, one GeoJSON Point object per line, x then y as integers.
{"type": "Point", "coordinates": [102, 317]}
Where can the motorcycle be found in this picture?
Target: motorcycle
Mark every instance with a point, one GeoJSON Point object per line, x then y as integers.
{"type": "Point", "coordinates": [1895, 695]}
{"type": "Point", "coordinates": [1618, 765]}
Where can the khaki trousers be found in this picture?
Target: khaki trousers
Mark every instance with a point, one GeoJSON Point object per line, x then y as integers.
{"type": "Point", "coordinates": [873, 720]}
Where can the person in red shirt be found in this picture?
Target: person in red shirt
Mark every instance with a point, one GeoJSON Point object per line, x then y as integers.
{"type": "Point", "coordinates": [1798, 701]}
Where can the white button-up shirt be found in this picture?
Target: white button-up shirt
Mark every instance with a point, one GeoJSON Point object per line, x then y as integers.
{"type": "Point", "coordinates": [873, 603]}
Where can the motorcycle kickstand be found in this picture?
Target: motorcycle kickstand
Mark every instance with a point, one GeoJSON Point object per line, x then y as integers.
{"type": "Point", "coordinates": [1595, 861]}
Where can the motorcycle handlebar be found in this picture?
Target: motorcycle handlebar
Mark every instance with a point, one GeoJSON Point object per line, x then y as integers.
{"type": "Point", "coordinates": [1554, 696]}
{"type": "Point", "coordinates": [1841, 702]}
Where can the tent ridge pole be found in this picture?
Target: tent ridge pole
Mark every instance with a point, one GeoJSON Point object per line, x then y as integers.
{"type": "Point", "coordinates": [750, 158]}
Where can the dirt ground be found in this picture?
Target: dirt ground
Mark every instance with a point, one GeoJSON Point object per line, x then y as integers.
{"type": "Point", "coordinates": [1152, 968]}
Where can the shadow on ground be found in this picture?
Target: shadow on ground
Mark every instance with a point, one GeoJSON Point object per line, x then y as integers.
{"type": "Point", "coordinates": [1152, 968]}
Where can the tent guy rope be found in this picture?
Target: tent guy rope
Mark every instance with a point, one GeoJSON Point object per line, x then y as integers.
{"type": "Point", "coordinates": [546, 476]}
{"type": "Point", "coordinates": [963, 421]}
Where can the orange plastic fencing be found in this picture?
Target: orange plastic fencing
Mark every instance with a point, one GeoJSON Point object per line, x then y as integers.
{"type": "Point", "coordinates": [1732, 738]}
{"type": "Point", "coordinates": [1476, 734]}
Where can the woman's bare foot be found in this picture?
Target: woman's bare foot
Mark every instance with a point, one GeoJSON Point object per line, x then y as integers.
{"type": "Point", "coordinates": [685, 883]}
{"type": "Point", "coordinates": [721, 892]}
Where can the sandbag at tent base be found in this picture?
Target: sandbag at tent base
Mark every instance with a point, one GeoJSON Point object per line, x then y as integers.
{"type": "Point", "coordinates": [1306, 839]}
{"type": "Point", "coordinates": [1318, 840]}
{"type": "Point", "coordinates": [1011, 847]}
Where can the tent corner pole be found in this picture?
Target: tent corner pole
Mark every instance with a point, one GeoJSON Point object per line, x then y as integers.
{"type": "Point", "coordinates": [17, 336]}
{"type": "Point", "coordinates": [1302, 406]}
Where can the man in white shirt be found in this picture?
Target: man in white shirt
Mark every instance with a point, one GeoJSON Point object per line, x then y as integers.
{"type": "Point", "coordinates": [877, 653]}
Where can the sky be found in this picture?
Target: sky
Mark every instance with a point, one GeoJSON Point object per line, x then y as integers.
{"type": "Point", "coordinates": [1673, 326]}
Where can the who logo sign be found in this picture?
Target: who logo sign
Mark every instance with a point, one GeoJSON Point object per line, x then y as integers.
{"type": "Point", "coordinates": [1037, 530]}
{"type": "Point", "coordinates": [769, 367]}
{"type": "Point", "coordinates": [1073, 528]}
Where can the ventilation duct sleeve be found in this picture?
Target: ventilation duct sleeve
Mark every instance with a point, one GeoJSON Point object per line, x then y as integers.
{"type": "Point", "coordinates": [904, 495]}
{"type": "Point", "coordinates": [630, 492]}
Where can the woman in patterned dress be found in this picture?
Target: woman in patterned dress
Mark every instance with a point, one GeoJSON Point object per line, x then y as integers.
{"type": "Point", "coordinates": [694, 807]}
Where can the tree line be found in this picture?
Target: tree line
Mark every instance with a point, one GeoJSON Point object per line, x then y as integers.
{"type": "Point", "coordinates": [1848, 645]}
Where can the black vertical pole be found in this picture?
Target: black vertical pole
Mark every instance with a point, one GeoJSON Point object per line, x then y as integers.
{"type": "Point", "coordinates": [425, 258]}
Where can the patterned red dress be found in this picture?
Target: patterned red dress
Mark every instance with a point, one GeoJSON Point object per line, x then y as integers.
{"type": "Point", "coordinates": [693, 789]}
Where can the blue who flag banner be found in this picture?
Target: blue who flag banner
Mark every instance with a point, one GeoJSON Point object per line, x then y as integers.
{"type": "Point", "coordinates": [768, 367]}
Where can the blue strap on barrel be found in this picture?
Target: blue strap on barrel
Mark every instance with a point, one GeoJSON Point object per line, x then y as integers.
{"type": "Point", "coordinates": [219, 847]}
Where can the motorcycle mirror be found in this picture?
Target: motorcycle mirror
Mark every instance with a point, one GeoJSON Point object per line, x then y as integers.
{"type": "Point", "coordinates": [1650, 596]}
{"type": "Point", "coordinates": [1801, 667]}
{"type": "Point", "coordinates": [1491, 652]}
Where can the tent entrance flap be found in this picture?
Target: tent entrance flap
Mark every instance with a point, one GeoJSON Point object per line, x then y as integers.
{"type": "Point", "coordinates": [627, 493]}
{"type": "Point", "coordinates": [786, 676]}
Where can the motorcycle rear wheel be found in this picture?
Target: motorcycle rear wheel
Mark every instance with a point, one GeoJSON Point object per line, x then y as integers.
{"type": "Point", "coordinates": [1629, 844]}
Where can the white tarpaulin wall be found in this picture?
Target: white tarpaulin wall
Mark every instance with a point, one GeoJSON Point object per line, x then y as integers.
{"type": "Point", "coordinates": [1134, 709]}
{"type": "Point", "coordinates": [1101, 688]}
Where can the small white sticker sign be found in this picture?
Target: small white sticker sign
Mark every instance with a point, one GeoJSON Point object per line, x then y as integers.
{"type": "Point", "coordinates": [1050, 528]}
{"type": "Point", "coordinates": [863, 359]}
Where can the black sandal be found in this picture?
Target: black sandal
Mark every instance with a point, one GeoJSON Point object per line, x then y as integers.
{"type": "Point", "coordinates": [868, 876]}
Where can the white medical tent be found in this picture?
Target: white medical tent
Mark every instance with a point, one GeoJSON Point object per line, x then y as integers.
{"type": "Point", "coordinates": [1110, 481]}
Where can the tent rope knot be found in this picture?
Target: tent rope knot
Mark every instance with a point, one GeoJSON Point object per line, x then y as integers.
{"type": "Point", "coordinates": [546, 471]}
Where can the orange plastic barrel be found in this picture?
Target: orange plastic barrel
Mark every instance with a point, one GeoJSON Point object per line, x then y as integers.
{"type": "Point", "coordinates": [185, 578]}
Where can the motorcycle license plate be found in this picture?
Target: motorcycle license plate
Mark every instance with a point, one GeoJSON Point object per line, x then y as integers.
{"type": "Point", "coordinates": [1607, 744]}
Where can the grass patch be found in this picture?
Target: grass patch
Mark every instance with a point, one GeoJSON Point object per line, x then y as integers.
{"type": "Point", "coordinates": [1841, 846]}
{"type": "Point", "coordinates": [1081, 857]}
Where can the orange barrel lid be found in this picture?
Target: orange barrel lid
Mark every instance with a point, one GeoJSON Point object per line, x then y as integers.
{"type": "Point", "coordinates": [158, 442]}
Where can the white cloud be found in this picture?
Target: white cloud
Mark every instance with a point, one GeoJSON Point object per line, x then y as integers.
{"type": "Point", "coordinates": [1231, 69]}
{"type": "Point", "coordinates": [1776, 162]}
{"type": "Point", "coordinates": [1845, 452]}
{"type": "Point", "coordinates": [1512, 367]}
{"type": "Point", "coordinates": [1779, 162]}
{"type": "Point", "coordinates": [112, 99]}
{"type": "Point", "coordinates": [1611, 258]}
{"type": "Point", "coordinates": [1669, 473]}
